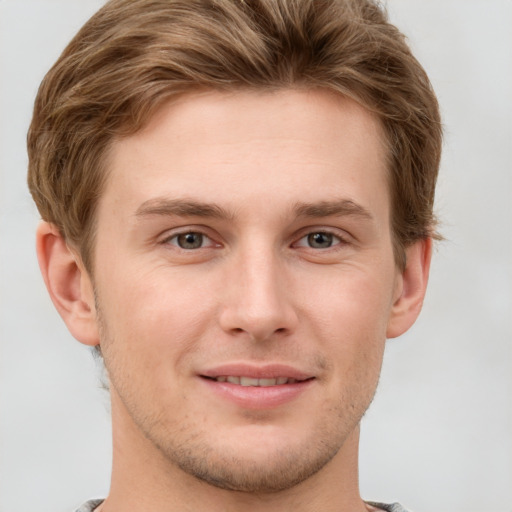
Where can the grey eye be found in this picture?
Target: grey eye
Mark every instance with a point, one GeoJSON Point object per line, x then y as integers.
{"type": "Point", "coordinates": [189, 240]}
{"type": "Point", "coordinates": [320, 240]}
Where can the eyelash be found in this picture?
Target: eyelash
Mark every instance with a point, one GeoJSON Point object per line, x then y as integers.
{"type": "Point", "coordinates": [176, 236]}
{"type": "Point", "coordinates": [333, 238]}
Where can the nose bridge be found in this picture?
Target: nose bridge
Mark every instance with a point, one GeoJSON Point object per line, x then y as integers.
{"type": "Point", "coordinates": [257, 300]}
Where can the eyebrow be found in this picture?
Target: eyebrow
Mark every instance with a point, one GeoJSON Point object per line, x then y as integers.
{"type": "Point", "coordinates": [339, 208]}
{"type": "Point", "coordinates": [162, 206]}
{"type": "Point", "coordinates": [182, 208]}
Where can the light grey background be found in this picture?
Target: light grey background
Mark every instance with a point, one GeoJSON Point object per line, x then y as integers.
{"type": "Point", "coordinates": [439, 434]}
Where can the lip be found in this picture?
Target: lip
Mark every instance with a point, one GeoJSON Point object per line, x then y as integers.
{"type": "Point", "coordinates": [267, 371]}
{"type": "Point", "coordinates": [257, 397]}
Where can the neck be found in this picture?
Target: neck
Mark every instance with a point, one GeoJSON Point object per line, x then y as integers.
{"type": "Point", "coordinates": [144, 479]}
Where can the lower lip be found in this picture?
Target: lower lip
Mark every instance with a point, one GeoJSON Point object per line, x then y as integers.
{"type": "Point", "coordinates": [258, 397]}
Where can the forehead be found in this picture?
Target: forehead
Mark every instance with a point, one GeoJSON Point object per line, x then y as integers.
{"type": "Point", "coordinates": [276, 146]}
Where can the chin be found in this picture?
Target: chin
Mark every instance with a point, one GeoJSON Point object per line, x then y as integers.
{"type": "Point", "coordinates": [256, 459]}
{"type": "Point", "coordinates": [254, 473]}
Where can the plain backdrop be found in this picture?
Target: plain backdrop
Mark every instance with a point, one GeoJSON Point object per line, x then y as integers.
{"type": "Point", "coordinates": [438, 437]}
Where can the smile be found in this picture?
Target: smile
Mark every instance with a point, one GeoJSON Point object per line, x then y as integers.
{"type": "Point", "coordinates": [254, 392]}
{"type": "Point", "coordinates": [251, 381]}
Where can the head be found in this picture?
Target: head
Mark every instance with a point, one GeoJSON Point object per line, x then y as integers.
{"type": "Point", "coordinates": [237, 189]}
{"type": "Point", "coordinates": [134, 56]}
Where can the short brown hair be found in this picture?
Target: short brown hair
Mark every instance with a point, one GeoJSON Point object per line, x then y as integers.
{"type": "Point", "coordinates": [133, 55]}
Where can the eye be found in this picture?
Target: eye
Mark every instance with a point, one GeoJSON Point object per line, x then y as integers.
{"type": "Point", "coordinates": [319, 240]}
{"type": "Point", "coordinates": [190, 240]}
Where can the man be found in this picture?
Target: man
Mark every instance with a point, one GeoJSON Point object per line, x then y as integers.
{"type": "Point", "coordinates": [237, 212]}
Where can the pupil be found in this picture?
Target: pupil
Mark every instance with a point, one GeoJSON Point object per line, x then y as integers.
{"type": "Point", "coordinates": [320, 240]}
{"type": "Point", "coordinates": [190, 240]}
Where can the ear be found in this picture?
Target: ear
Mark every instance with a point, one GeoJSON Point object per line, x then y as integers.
{"type": "Point", "coordinates": [68, 284]}
{"type": "Point", "coordinates": [411, 288]}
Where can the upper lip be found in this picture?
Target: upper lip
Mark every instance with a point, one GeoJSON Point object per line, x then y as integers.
{"type": "Point", "coordinates": [267, 371]}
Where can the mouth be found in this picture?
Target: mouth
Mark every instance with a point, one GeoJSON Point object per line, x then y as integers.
{"type": "Point", "coordinates": [257, 387]}
{"type": "Point", "coordinates": [256, 382]}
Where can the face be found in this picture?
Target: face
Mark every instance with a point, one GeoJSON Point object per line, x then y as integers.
{"type": "Point", "coordinates": [245, 281]}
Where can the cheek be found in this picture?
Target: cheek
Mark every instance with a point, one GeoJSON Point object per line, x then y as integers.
{"type": "Point", "coordinates": [352, 303]}
{"type": "Point", "coordinates": [153, 320]}
{"type": "Point", "coordinates": [350, 317]}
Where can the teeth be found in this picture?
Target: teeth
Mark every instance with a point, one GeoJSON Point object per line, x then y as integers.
{"type": "Point", "coordinates": [247, 381]}
{"type": "Point", "coordinates": [250, 381]}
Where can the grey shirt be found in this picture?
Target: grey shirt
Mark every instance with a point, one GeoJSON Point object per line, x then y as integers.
{"type": "Point", "coordinates": [90, 505]}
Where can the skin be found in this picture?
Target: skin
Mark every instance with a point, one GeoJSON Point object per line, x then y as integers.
{"type": "Point", "coordinates": [287, 195]}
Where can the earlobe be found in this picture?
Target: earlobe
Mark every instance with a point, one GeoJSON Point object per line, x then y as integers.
{"type": "Point", "coordinates": [414, 279]}
{"type": "Point", "coordinates": [68, 284]}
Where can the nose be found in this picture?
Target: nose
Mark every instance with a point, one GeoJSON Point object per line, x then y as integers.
{"type": "Point", "coordinates": [258, 298]}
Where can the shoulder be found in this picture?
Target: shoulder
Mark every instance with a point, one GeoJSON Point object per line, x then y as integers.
{"type": "Point", "coordinates": [89, 506]}
{"type": "Point", "coordinates": [386, 507]}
